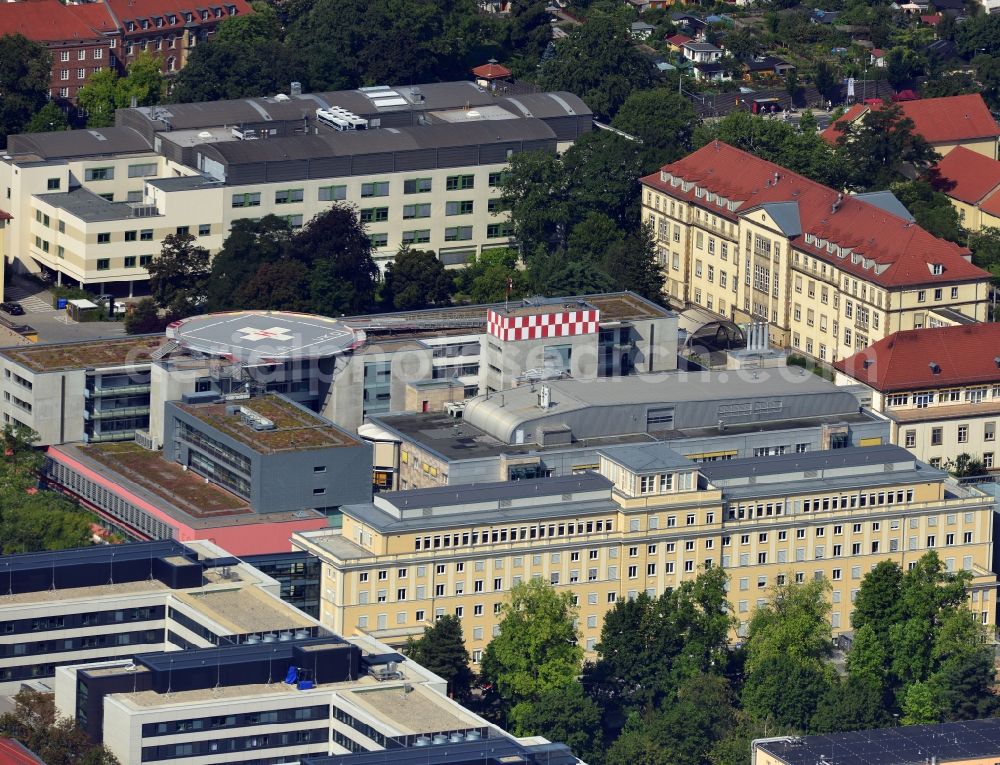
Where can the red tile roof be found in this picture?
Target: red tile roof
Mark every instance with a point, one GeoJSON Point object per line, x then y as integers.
{"type": "Point", "coordinates": [886, 250]}
{"type": "Point", "coordinates": [492, 72]}
{"type": "Point", "coordinates": [967, 176]}
{"type": "Point", "coordinates": [50, 21]}
{"type": "Point", "coordinates": [939, 120]}
{"type": "Point", "coordinates": [14, 753]}
{"type": "Point", "coordinates": [965, 355]}
{"type": "Point", "coordinates": [678, 40]}
{"type": "Point", "coordinates": [136, 10]}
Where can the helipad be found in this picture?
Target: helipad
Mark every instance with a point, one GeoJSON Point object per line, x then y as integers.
{"type": "Point", "coordinates": [261, 336]}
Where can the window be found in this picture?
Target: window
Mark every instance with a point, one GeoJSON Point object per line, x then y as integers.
{"type": "Point", "coordinates": [130, 261]}
{"type": "Point", "coordinates": [104, 238]}
{"type": "Point", "coordinates": [416, 211]}
{"type": "Point", "coordinates": [418, 236]}
{"type": "Point", "coordinates": [379, 240]}
{"type": "Point", "coordinates": [204, 229]}
{"type": "Point", "coordinates": [287, 196]}
{"type": "Point", "coordinates": [459, 182]}
{"type": "Point", "coordinates": [103, 264]}
{"type": "Point", "coordinates": [374, 214]}
{"type": "Point", "coordinates": [144, 170]}
{"type": "Point", "coordinates": [246, 200]}
{"type": "Point", "coordinates": [416, 185]}
{"type": "Point", "coordinates": [463, 207]}
{"type": "Point", "coordinates": [963, 434]}
{"type": "Point", "coordinates": [332, 193]}
{"type": "Point", "coordinates": [183, 230]}
{"type": "Point", "coordinates": [99, 174]}
{"type": "Point", "coordinates": [498, 230]}
{"type": "Point", "coordinates": [375, 189]}
{"type": "Point", "coordinates": [937, 436]}
{"type": "Point", "coordinates": [145, 260]}
{"type": "Point", "coordinates": [54, 183]}
{"type": "Point", "coordinates": [458, 233]}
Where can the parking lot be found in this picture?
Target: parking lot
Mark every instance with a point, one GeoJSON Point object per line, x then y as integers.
{"type": "Point", "coordinates": [53, 325]}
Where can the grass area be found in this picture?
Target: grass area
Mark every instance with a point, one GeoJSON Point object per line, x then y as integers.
{"type": "Point", "coordinates": [55, 357]}
{"type": "Point", "coordinates": [181, 488]}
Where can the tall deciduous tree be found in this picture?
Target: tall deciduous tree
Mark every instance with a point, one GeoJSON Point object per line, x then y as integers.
{"type": "Point", "coordinates": [48, 119]}
{"type": "Point", "coordinates": [178, 277]}
{"type": "Point", "coordinates": [338, 254]}
{"type": "Point", "coordinates": [535, 651]}
{"type": "Point", "coordinates": [878, 145]}
{"type": "Point", "coordinates": [105, 91]}
{"type": "Point", "coordinates": [416, 279]}
{"type": "Point", "coordinates": [663, 120]}
{"type": "Point", "coordinates": [492, 276]}
{"type": "Point", "coordinates": [249, 245]}
{"type": "Point", "coordinates": [24, 82]}
{"type": "Point", "coordinates": [442, 650]}
{"type": "Point", "coordinates": [598, 62]}
{"type": "Point", "coordinates": [568, 715]}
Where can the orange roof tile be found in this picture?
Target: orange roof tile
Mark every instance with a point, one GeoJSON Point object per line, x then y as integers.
{"type": "Point", "coordinates": [885, 249]}
{"type": "Point", "coordinates": [492, 71]}
{"type": "Point", "coordinates": [939, 120]}
{"type": "Point", "coordinates": [966, 175]}
{"type": "Point", "coordinates": [966, 354]}
{"type": "Point", "coordinates": [50, 21]}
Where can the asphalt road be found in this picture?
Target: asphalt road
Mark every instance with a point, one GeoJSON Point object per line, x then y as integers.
{"type": "Point", "coordinates": [51, 324]}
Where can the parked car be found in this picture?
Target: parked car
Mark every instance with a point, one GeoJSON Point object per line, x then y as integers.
{"type": "Point", "coordinates": [14, 309]}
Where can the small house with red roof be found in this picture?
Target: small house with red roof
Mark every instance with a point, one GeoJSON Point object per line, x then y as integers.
{"type": "Point", "coordinates": [943, 122]}
{"type": "Point", "coordinates": [972, 182]}
{"type": "Point", "coordinates": [938, 387]}
{"type": "Point", "coordinates": [749, 240]}
{"type": "Point", "coordinates": [489, 73]}
{"type": "Point", "coordinates": [676, 42]}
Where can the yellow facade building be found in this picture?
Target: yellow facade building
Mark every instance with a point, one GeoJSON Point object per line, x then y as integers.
{"type": "Point", "coordinates": [939, 388]}
{"type": "Point", "coordinates": [646, 521]}
{"type": "Point", "coordinates": [750, 241]}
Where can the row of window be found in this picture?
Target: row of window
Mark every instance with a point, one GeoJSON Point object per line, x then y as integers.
{"type": "Point", "coordinates": [513, 534]}
{"type": "Point", "coordinates": [955, 395]}
{"type": "Point", "coordinates": [235, 744]}
{"type": "Point", "coordinates": [242, 720]}
{"type": "Point", "coordinates": [374, 189]}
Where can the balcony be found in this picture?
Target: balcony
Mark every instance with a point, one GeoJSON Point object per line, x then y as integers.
{"type": "Point", "coordinates": [119, 391]}
{"type": "Point", "coordinates": [131, 411]}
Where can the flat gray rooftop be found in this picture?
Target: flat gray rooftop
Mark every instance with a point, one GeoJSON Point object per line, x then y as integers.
{"type": "Point", "coordinates": [648, 458]}
{"type": "Point", "coordinates": [88, 206]}
{"type": "Point", "coordinates": [183, 183]}
{"type": "Point", "coordinates": [850, 457]}
{"type": "Point", "coordinates": [473, 493]}
{"type": "Point", "coordinates": [67, 144]}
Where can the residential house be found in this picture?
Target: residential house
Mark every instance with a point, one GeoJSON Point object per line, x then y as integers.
{"type": "Point", "coordinates": [943, 122]}
{"type": "Point", "coordinates": [690, 23]}
{"type": "Point", "coordinates": [706, 60]}
{"type": "Point", "coordinates": [971, 181]}
{"type": "Point", "coordinates": [876, 58]}
{"type": "Point", "coordinates": [939, 387]}
{"type": "Point", "coordinates": [832, 273]}
{"type": "Point", "coordinates": [676, 43]}
{"type": "Point", "coordinates": [640, 30]}
{"type": "Point", "coordinates": [765, 66]}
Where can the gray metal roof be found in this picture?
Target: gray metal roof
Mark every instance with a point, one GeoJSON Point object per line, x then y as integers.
{"type": "Point", "coordinates": [88, 206]}
{"type": "Point", "coordinates": [67, 144]}
{"type": "Point", "coordinates": [786, 215]}
{"type": "Point", "coordinates": [648, 458]}
{"type": "Point", "coordinates": [473, 493]}
{"type": "Point", "coordinates": [850, 457]}
{"type": "Point", "coordinates": [907, 745]}
{"type": "Point", "coordinates": [502, 414]}
{"type": "Point", "coordinates": [887, 201]}
{"type": "Point", "coordinates": [183, 183]}
{"type": "Point", "coordinates": [381, 141]}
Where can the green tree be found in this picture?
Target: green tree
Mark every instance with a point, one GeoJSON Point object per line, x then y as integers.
{"type": "Point", "coordinates": [792, 85]}
{"type": "Point", "coordinates": [246, 57]}
{"type": "Point", "coordinates": [965, 465]}
{"type": "Point", "coordinates": [920, 705]}
{"type": "Point", "coordinates": [787, 650]}
{"type": "Point", "coordinates": [568, 715]}
{"type": "Point", "coordinates": [280, 285]}
{"type": "Point", "coordinates": [48, 119]}
{"type": "Point", "coordinates": [249, 245]}
{"type": "Point", "coordinates": [56, 740]}
{"type": "Point", "coordinates": [598, 62]}
{"type": "Point", "coordinates": [105, 91]}
{"type": "Point", "coordinates": [338, 254]}
{"type": "Point", "coordinates": [932, 209]}
{"type": "Point", "coordinates": [663, 120]}
{"type": "Point", "coordinates": [901, 67]}
{"type": "Point", "coordinates": [868, 658]}
{"type": "Point", "coordinates": [650, 646]}
{"type": "Point", "coordinates": [535, 650]}
{"type": "Point", "coordinates": [144, 318]}
{"type": "Point", "coordinates": [491, 277]}
{"type": "Point", "coordinates": [535, 192]}
{"type": "Point", "coordinates": [416, 279]}
{"type": "Point", "coordinates": [178, 277]}
{"type": "Point", "coordinates": [442, 650]}
{"type": "Point", "coordinates": [850, 704]}
{"type": "Point", "coordinates": [878, 605]}
{"type": "Point", "coordinates": [25, 67]}
{"type": "Point", "coordinates": [878, 145]}
{"type": "Point", "coordinates": [826, 80]}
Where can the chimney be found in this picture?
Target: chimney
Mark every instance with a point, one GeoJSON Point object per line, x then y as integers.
{"type": "Point", "coordinates": [836, 205]}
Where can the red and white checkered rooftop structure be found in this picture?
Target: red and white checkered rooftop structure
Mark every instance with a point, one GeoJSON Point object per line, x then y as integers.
{"type": "Point", "coordinates": [541, 326]}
